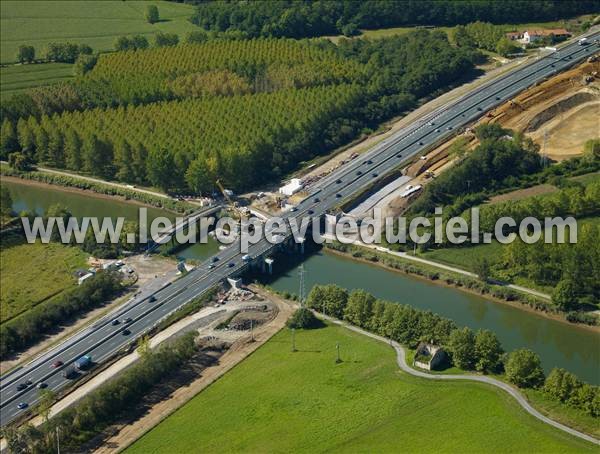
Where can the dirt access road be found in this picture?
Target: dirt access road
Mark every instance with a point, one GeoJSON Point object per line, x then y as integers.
{"type": "Point", "coordinates": [237, 352]}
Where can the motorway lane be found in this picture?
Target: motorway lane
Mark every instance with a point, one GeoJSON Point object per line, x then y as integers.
{"type": "Point", "coordinates": [106, 339]}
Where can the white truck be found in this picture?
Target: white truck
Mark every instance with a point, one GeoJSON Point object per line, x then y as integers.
{"type": "Point", "coordinates": [583, 41]}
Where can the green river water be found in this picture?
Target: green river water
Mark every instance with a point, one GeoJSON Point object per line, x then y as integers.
{"type": "Point", "coordinates": [558, 344]}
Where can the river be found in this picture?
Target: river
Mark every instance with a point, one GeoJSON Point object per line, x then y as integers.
{"type": "Point", "coordinates": [558, 344]}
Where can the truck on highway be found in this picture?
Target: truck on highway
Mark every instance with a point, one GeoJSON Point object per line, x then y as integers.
{"type": "Point", "coordinates": [83, 363]}
{"type": "Point", "coordinates": [583, 41]}
{"type": "Point", "coordinates": [70, 373]}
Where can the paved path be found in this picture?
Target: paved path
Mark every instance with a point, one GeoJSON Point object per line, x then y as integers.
{"type": "Point", "coordinates": [401, 359]}
{"type": "Point", "coordinates": [407, 256]}
{"type": "Point", "coordinates": [108, 183]}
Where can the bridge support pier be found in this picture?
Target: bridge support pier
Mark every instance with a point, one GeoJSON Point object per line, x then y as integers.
{"type": "Point", "coordinates": [269, 264]}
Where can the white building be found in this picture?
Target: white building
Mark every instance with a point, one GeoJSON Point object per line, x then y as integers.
{"type": "Point", "coordinates": [292, 187]}
{"type": "Point", "coordinates": [84, 278]}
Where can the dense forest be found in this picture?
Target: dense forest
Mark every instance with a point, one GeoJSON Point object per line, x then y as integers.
{"type": "Point", "coordinates": [304, 18]}
{"type": "Point", "coordinates": [180, 117]}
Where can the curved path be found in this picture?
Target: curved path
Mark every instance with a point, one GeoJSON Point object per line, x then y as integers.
{"type": "Point", "coordinates": [401, 358]}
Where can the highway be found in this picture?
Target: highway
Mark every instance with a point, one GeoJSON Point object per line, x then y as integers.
{"type": "Point", "coordinates": [104, 339]}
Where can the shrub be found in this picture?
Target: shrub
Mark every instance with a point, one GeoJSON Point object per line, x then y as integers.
{"type": "Point", "coordinates": [304, 318]}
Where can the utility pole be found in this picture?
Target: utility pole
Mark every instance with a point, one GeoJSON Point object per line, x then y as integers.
{"type": "Point", "coordinates": [544, 147]}
{"type": "Point", "coordinates": [302, 291]}
{"type": "Point", "coordinates": [57, 440]}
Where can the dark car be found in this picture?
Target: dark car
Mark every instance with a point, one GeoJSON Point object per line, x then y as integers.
{"type": "Point", "coordinates": [420, 143]}
{"type": "Point", "coordinates": [41, 385]}
{"type": "Point", "coordinates": [310, 212]}
{"type": "Point", "coordinates": [399, 155]}
{"type": "Point", "coordinates": [115, 322]}
{"type": "Point", "coordinates": [338, 195]}
{"type": "Point", "coordinates": [359, 173]}
{"type": "Point", "coordinates": [338, 181]}
{"type": "Point", "coordinates": [152, 299]}
{"type": "Point", "coordinates": [215, 259]}
{"type": "Point", "coordinates": [22, 405]}
{"type": "Point", "coordinates": [369, 162]}
{"type": "Point", "coordinates": [316, 200]}
{"type": "Point", "coordinates": [125, 332]}
{"type": "Point", "coordinates": [375, 175]}
{"type": "Point", "coordinates": [231, 265]}
{"type": "Point", "coordinates": [21, 386]}
{"type": "Point", "coordinates": [128, 320]}
{"type": "Point", "coordinates": [56, 364]}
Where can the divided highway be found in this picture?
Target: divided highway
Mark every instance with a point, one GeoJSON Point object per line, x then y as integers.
{"type": "Point", "coordinates": [104, 338]}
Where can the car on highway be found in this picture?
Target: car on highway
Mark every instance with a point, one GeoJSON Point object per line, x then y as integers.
{"type": "Point", "coordinates": [215, 259]}
{"type": "Point", "coordinates": [22, 405]}
{"type": "Point", "coordinates": [293, 209]}
{"type": "Point", "coordinates": [338, 195]}
{"type": "Point", "coordinates": [128, 320]}
{"type": "Point", "coordinates": [374, 174]}
{"type": "Point", "coordinates": [21, 386]}
{"type": "Point", "coordinates": [28, 382]}
{"type": "Point", "coordinates": [41, 385]}
{"type": "Point", "coordinates": [359, 173]}
{"type": "Point", "coordinates": [211, 266]}
{"type": "Point", "coordinates": [125, 332]}
{"type": "Point", "coordinates": [311, 212]}
{"type": "Point", "coordinates": [230, 265]}
{"type": "Point", "coordinates": [338, 181]}
{"type": "Point", "coordinates": [152, 299]}
{"type": "Point", "coordinates": [115, 322]}
{"type": "Point", "coordinates": [57, 364]}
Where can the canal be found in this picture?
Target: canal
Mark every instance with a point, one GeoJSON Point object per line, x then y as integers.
{"type": "Point", "coordinates": [558, 344]}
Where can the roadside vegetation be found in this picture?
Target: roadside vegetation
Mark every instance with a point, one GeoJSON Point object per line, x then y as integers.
{"type": "Point", "coordinates": [29, 327]}
{"type": "Point", "coordinates": [303, 399]}
{"type": "Point", "coordinates": [501, 162]}
{"type": "Point", "coordinates": [107, 404]}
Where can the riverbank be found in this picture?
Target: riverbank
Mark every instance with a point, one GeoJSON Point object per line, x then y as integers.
{"type": "Point", "coordinates": [517, 394]}
{"type": "Point", "coordinates": [68, 183]}
{"type": "Point", "coordinates": [303, 397]}
{"type": "Point", "coordinates": [449, 279]}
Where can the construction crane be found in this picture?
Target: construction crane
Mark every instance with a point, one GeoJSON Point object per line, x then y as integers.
{"type": "Point", "coordinates": [243, 215]}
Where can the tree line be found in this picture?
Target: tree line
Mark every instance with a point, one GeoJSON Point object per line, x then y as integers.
{"type": "Point", "coordinates": [500, 159]}
{"type": "Point", "coordinates": [301, 19]}
{"type": "Point", "coordinates": [167, 108]}
{"type": "Point", "coordinates": [28, 328]}
{"type": "Point", "coordinates": [87, 418]}
{"type": "Point", "coordinates": [468, 350]}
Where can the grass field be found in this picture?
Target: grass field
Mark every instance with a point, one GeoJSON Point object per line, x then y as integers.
{"type": "Point", "coordinates": [31, 273]}
{"type": "Point", "coordinates": [279, 401]}
{"type": "Point", "coordinates": [94, 22]}
{"type": "Point", "coordinates": [16, 78]}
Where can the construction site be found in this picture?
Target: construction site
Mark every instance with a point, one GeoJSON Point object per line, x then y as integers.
{"type": "Point", "coordinates": [559, 115]}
